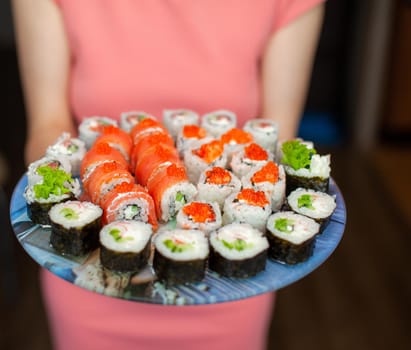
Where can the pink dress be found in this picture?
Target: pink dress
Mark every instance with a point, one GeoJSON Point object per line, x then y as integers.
{"type": "Point", "coordinates": [152, 55]}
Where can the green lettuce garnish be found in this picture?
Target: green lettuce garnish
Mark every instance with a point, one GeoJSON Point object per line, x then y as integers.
{"type": "Point", "coordinates": [296, 154]}
{"type": "Point", "coordinates": [54, 182]}
{"type": "Point", "coordinates": [118, 237]}
{"type": "Point", "coordinates": [69, 213]}
{"type": "Point", "coordinates": [177, 247]}
{"type": "Point", "coordinates": [238, 244]}
{"type": "Point", "coordinates": [180, 197]}
{"type": "Point", "coordinates": [284, 225]}
{"type": "Point", "coordinates": [305, 201]}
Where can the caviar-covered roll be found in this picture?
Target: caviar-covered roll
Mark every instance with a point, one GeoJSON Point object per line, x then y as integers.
{"type": "Point", "coordinates": [116, 138]}
{"type": "Point", "coordinates": [247, 158]}
{"type": "Point", "coordinates": [264, 131]}
{"type": "Point", "coordinates": [314, 204]}
{"type": "Point", "coordinates": [249, 206]}
{"type": "Point", "coordinates": [291, 237]}
{"type": "Point", "coordinates": [180, 256]}
{"type": "Point", "coordinates": [70, 148]}
{"type": "Point", "coordinates": [235, 140]}
{"type": "Point", "coordinates": [204, 216]}
{"type": "Point", "coordinates": [91, 127]}
{"type": "Point", "coordinates": [129, 119]}
{"type": "Point", "coordinates": [270, 178]}
{"type": "Point", "coordinates": [304, 167]}
{"type": "Point", "coordinates": [216, 184]}
{"type": "Point", "coordinates": [175, 119]}
{"type": "Point", "coordinates": [191, 136]}
{"type": "Point", "coordinates": [198, 159]}
{"type": "Point", "coordinates": [75, 227]}
{"type": "Point", "coordinates": [218, 122]}
{"type": "Point", "coordinates": [33, 175]}
{"type": "Point", "coordinates": [55, 186]}
{"type": "Point", "coordinates": [238, 250]}
{"type": "Point", "coordinates": [125, 245]}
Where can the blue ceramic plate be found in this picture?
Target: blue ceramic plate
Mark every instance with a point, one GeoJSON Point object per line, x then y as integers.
{"type": "Point", "coordinates": [86, 272]}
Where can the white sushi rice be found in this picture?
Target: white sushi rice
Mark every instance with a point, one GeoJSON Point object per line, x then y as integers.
{"type": "Point", "coordinates": [323, 204]}
{"type": "Point", "coordinates": [197, 244]}
{"type": "Point", "coordinates": [74, 214]}
{"type": "Point", "coordinates": [89, 128]}
{"type": "Point", "coordinates": [241, 165]}
{"type": "Point", "coordinates": [70, 148]}
{"type": "Point", "coordinates": [130, 119]}
{"type": "Point", "coordinates": [126, 236]}
{"type": "Point", "coordinates": [185, 143]}
{"type": "Point", "coordinates": [254, 241]}
{"type": "Point", "coordinates": [298, 230]}
{"type": "Point", "coordinates": [175, 119]}
{"type": "Point", "coordinates": [218, 122]}
{"type": "Point", "coordinates": [319, 167]}
{"type": "Point", "coordinates": [216, 193]}
{"type": "Point", "coordinates": [264, 131]}
{"type": "Point", "coordinates": [185, 222]}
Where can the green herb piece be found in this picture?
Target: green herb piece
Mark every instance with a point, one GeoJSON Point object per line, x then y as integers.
{"type": "Point", "coordinates": [69, 213]}
{"type": "Point", "coordinates": [305, 201]}
{"type": "Point", "coordinates": [55, 181]}
{"type": "Point", "coordinates": [118, 237]}
{"type": "Point", "coordinates": [72, 148]}
{"type": "Point", "coordinates": [284, 225]}
{"type": "Point", "coordinates": [297, 155]}
{"type": "Point", "coordinates": [177, 246]}
{"type": "Point", "coordinates": [131, 211]}
{"type": "Point", "coordinates": [238, 244]}
{"type": "Point", "coordinates": [180, 197]}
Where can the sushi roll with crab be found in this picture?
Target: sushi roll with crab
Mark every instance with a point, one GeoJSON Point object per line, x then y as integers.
{"type": "Point", "coordinates": [291, 237]}
{"type": "Point", "coordinates": [204, 216]}
{"type": "Point", "coordinates": [91, 127]}
{"type": "Point", "coordinates": [219, 122]}
{"type": "Point", "coordinates": [247, 206]}
{"type": "Point", "coordinates": [125, 245]}
{"type": "Point", "coordinates": [175, 119]}
{"type": "Point", "coordinates": [317, 205]}
{"type": "Point", "coordinates": [247, 158]}
{"type": "Point", "coordinates": [75, 227]}
{"type": "Point", "coordinates": [216, 184]}
{"type": "Point", "coordinates": [130, 119]}
{"type": "Point", "coordinates": [70, 148]}
{"type": "Point", "coordinates": [238, 250]}
{"type": "Point", "coordinates": [180, 256]}
{"type": "Point", "coordinates": [304, 167]}
{"type": "Point", "coordinates": [265, 133]}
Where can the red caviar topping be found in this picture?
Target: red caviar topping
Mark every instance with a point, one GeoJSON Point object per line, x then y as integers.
{"type": "Point", "coordinates": [199, 212]}
{"type": "Point", "coordinates": [257, 198]}
{"type": "Point", "coordinates": [176, 171]}
{"type": "Point", "coordinates": [209, 152]}
{"type": "Point", "coordinates": [194, 131]}
{"type": "Point", "coordinates": [102, 148]}
{"type": "Point", "coordinates": [268, 173]}
{"type": "Point", "coordinates": [237, 136]}
{"type": "Point", "coordinates": [218, 176]}
{"type": "Point", "coordinates": [255, 152]}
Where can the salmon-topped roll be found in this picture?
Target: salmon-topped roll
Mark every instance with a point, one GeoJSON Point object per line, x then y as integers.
{"type": "Point", "coordinates": [146, 127]}
{"type": "Point", "coordinates": [116, 138]}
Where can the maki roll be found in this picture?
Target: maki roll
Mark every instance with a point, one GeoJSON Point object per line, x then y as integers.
{"type": "Point", "coordinates": [180, 256]}
{"type": "Point", "coordinates": [265, 133]}
{"type": "Point", "coordinates": [244, 160]}
{"type": "Point", "coordinates": [247, 206]}
{"type": "Point", "coordinates": [55, 186]}
{"type": "Point", "coordinates": [238, 250]}
{"type": "Point", "coordinates": [146, 127]}
{"type": "Point", "coordinates": [191, 136]}
{"type": "Point", "coordinates": [314, 204]}
{"type": "Point", "coordinates": [129, 119]}
{"type": "Point", "coordinates": [203, 216]}
{"type": "Point", "coordinates": [198, 159]}
{"type": "Point", "coordinates": [175, 119]}
{"type": "Point", "coordinates": [234, 140]}
{"type": "Point", "coordinates": [52, 162]}
{"type": "Point", "coordinates": [70, 148]}
{"type": "Point", "coordinates": [116, 138]}
{"type": "Point", "coordinates": [91, 127]}
{"type": "Point", "coordinates": [270, 178]}
{"type": "Point", "coordinates": [291, 237]}
{"type": "Point", "coordinates": [125, 245]}
{"type": "Point", "coordinates": [75, 227]}
{"type": "Point", "coordinates": [216, 184]}
{"type": "Point", "coordinates": [219, 122]}
{"type": "Point", "coordinates": [304, 167]}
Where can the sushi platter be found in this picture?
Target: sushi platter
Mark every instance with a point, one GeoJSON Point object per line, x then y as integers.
{"type": "Point", "coordinates": [198, 248]}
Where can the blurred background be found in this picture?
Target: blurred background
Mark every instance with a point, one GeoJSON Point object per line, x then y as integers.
{"type": "Point", "coordinates": [359, 110]}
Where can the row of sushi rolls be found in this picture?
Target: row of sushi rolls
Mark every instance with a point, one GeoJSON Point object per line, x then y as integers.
{"type": "Point", "coordinates": [181, 196]}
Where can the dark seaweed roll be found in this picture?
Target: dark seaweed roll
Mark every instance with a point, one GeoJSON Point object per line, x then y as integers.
{"type": "Point", "coordinates": [238, 250]}
{"type": "Point", "coordinates": [316, 205]}
{"type": "Point", "coordinates": [75, 226]}
{"type": "Point", "coordinates": [125, 245]}
{"type": "Point", "coordinates": [291, 237]}
{"type": "Point", "coordinates": [180, 256]}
